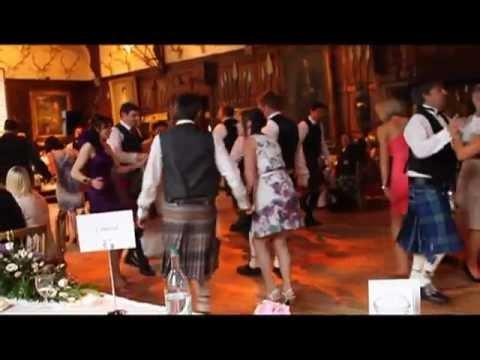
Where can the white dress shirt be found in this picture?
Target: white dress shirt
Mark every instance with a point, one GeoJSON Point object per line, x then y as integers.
{"type": "Point", "coordinates": [422, 141]}
{"type": "Point", "coordinates": [238, 149]}
{"type": "Point", "coordinates": [115, 141]}
{"type": "Point", "coordinates": [301, 169]}
{"type": "Point", "coordinates": [271, 128]}
{"type": "Point", "coordinates": [153, 175]}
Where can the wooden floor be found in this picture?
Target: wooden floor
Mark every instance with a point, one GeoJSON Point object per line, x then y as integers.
{"type": "Point", "coordinates": [331, 268]}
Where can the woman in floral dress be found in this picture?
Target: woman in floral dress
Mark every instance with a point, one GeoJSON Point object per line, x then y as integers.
{"type": "Point", "coordinates": [277, 207]}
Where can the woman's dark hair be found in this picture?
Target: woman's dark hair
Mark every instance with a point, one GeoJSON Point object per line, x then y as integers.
{"type": "Point", "coordinates": [92, 135]}
{"type": "Point", "coordinates": [53, 143]}
{"type": "Point", "coordinates": [257, 119]}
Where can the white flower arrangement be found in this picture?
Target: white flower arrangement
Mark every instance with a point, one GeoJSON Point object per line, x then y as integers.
{"type": "Point", "coordinates": [23, 253]}
{"type": "Point", "coordinates": [18, 269]}
{"type": "Point", "coordinates": [11, 267]}
{"type": "Point", "coordinates": [63, 283]}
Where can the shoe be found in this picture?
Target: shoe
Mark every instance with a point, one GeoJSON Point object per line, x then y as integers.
{"type": "Point", "coordinates": [146, 270]}
{"type": "Point", "coordinates": [275, 295]}
{"type": "Point", "coordinates": [236, 227]}
{"type": "Point", "coordinates": [312, 222]}
{"type": "Point", "coordinates": [246, 270]}
{"type": "Point", "coordinates": [131, 259]}
{"type": "Point", "coordinates": [277, 272]}
{"type": "Point", "coordinates": [469, 274]}
{"type": "Point", "coordinates": [288, 296]}
{"type": "Point", "coordinates": [429, 293]}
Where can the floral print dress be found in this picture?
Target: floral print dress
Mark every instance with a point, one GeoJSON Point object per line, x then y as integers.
{"type": "Point", "coordinates": [277, 206]}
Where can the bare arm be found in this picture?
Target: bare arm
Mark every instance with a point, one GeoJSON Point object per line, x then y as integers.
{"type": "Point", "coordinates": [384, 154]}
{"type": "Point", "coordinates": [250, 164]}
{"type": "Point", "coordinates": [84, 154]}
{"type": "Point", "coordinates": [466, 151]}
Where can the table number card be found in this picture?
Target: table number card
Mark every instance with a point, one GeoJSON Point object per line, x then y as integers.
{"type": "Point", "coordinates": [394, 297]}
{"type": "Point", "coordinates": [113, 230]}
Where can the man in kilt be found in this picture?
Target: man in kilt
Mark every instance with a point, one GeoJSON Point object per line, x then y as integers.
{"type": "Point", "coordinates": [428, 230]}
{"type": "Point", "coordinates": [188, 161]}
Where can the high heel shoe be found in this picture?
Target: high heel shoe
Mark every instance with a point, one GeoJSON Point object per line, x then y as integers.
{"type": "Point", "coordinates": [288, 296]}
{"type": "Point", "coordinates": [275, 295]}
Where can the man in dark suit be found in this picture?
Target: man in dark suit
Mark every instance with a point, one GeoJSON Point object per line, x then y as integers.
{"type": "Point", "coordinates": [17, 150]}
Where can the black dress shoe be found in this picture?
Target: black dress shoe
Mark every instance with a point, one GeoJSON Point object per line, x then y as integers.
{"type": "Point", "coordinates": [131, 260]}
{"type": "Point", "coordinates": [469, 274]}
{"type": "Point", "coordinates": [277, 272]}
{"type": "Point", "coordinates": [429, 293]}
{"type": "Point", "coordinates": [312, 222]}
{"type": "Point", "coordinates": [246, 270]}
{"type": "Point", "coordinates": [147, 271]}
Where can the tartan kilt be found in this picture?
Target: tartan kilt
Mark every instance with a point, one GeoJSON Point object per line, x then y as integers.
{"type": "Point", "coordinates": [429, 228]}
{"type": "Point", "coordinates": [191, 229]}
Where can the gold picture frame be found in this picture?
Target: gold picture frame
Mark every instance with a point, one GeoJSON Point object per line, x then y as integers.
{"type": "Point", "coordinates": [122, 90]}
{"type": "Point", "coordinates": [49, 108]}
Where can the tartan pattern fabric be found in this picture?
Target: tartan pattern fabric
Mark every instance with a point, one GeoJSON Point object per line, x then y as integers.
{"type": "Point", "coordinates": [191, 230]}
{"type": "Point", "coordinates": [428, 227]}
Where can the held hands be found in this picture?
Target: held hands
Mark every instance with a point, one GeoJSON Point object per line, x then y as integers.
{"type": "Point", "coordinates": [386, 191]}
{"type": "Point", "coordinates": [141, 223]}
{"type": "Point", "coordinates": [454, 126]}
{"type": "Point", "coordinates": [97, 183]}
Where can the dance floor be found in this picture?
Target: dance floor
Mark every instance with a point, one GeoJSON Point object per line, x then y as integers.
{"type": "Point", "coordinates": [331, 268]}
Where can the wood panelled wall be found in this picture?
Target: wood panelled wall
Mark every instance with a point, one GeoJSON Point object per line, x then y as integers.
{"type": "Point", "coordinates": [18, 99]}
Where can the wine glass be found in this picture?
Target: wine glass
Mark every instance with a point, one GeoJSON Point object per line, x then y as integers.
{"type": "Point", "coordinates": [44, 285]}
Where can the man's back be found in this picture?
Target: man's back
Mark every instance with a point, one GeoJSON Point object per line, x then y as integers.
{"type": "Point", "coordinates": [287, 138]}
{"type": "Point", "coordinates": [14, 150]}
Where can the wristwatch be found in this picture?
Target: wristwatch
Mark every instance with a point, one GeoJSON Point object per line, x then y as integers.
{"type": "Point", "coordinates": [384, 187]}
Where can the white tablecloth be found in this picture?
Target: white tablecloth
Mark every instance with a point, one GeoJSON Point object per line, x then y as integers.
{"type": "Point", "coordinates": [91, 305]}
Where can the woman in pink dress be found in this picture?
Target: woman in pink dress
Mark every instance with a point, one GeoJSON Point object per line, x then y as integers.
{"type": "Point", "coordinates": [393, 157]}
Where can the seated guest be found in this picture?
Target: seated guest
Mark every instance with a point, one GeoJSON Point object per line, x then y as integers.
{"type": "Point", "coordinates": [12, 216]}
{"type": "Point", "coordinates": [34, 207]}
{"type": "Point", "coordinates": [21, 152]}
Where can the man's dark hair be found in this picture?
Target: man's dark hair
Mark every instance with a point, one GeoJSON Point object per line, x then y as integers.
{"type": "Point", "coordinates": [10, 125]}
{"type": "Point", "coordinates": [127, 107]}
{"type": "Point", "coordinates": [159, 124]}
{"type": "Point", "coordinates": [272, 100]}
{"type": "Point", "coordinates": [422, 89]}
{"type": "Point", "coordinates": [228, 110]}
{"type": "Point", "coordinates": [187, 106]}
{"type": "Point", "coordinates": [53, 143]}
{"type": "Point", "coordinates": [317, 105]}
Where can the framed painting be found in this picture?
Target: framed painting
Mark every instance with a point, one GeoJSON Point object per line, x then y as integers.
{"type": "Point", "coordinates": [121, 91]}
{"type": "Point", "coordinates": [49, 110]}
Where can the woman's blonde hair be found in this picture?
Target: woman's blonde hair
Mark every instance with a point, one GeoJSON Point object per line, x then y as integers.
{"type": "Point", "coordinates": [18, 181]}
{"type": "Point", "coordinates": [390, 107]}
